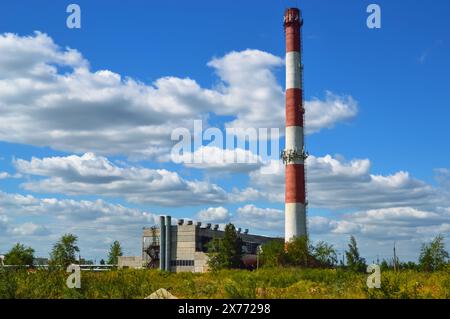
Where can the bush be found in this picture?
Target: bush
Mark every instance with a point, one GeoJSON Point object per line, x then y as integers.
{"type": "Point", "coordinates": [433, 255]}
{"type": "Point", "coordinates": [8, 284]}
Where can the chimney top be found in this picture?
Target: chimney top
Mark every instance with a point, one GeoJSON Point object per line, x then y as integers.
{"type": "Point", "coordinates": [292, 16]}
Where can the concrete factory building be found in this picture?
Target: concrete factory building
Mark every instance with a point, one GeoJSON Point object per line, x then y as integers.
{"type": "Point", "coordinates": [183, 247]}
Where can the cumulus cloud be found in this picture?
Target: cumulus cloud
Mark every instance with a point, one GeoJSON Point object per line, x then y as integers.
{"type": "Point", "coordinates": [94, 222]}
{"type": "Point", "coordinates": [96, 175]}
{"type": "Point", "coordinates": [335, 183]}
{"type": "Point", "coordinates": [260, 218]}
{"type": "Point", "coordinates": [50, 97]}
{"type": "Point", "coordinates": [29, 229]}
{"type": "Point", "coordinates": [214, 215]}
{"type": "Point", "coordinates": [4, 175]}
{"type": "Point", "coordinates": [249, 88]}
{"type": "Point", "coordinates": [385, 223]}
{"type": "Point", "coordinates": [326, 113]}
{"type": "Point", "coordinates": [98, 211]}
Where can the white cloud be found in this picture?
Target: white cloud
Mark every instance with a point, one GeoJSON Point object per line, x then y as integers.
{"type": "Point", "coordinates": [4, 175]}
{"type": "Point", "coordinates": [29, 229]}
{"type": "Point", "coordinates": [97, 212]}
{"type": "Point", "coordinates": [249, 89]}
{"type": "Point", "coordinates": [260, 218]}
{"type": "Point", "coordinates": [325, 114]}
{"type": "Point", "coordinates": [385, 224]}
{"type": "Point", "coordinates": [50, 97]}
{"type": "Point", "coordinates": [338, 184]}
{"type": "Point", "coordinates": [33, 55]}
{"type": "Point", "coordinates": [93, 221]}
{"type": "Point", "coordinates": [214, 215]}
{"type": "Point", "coordinates": [96, 175]}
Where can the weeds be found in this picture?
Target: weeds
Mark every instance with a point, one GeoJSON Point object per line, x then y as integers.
{"type": "Point", "coordinates": [264, 283]}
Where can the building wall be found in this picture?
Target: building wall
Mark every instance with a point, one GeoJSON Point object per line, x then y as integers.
{"type": "Point", "coordinates": [183, 248]}
{"type": "Point", "coordinates": [134, 262]}
{"type": "Point", "coordinates": [200, 262]}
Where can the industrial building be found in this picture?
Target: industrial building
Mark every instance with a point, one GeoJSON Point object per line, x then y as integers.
{"type": "Point", "coordinates": [183, 247]}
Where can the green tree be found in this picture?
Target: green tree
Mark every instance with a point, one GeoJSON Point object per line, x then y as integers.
{"type": "Point", "coordinates": [232, 247]}
{"type": "Point", "coordinates": [325, 254]}
{"type": "Point", "coordinates": [433, 255]}
{"type": "Point", "coordinates": [114, 252]}
{"type": "Point", "coordinates": [102, 262]}
{"type": "Point", "coordinates": [298, 251]}
{"type": "Point", "coordinates": [385, 265]}
{"type": "Point", "coordinates": [354, 261]}
{"type": "Point", "coordinates": [214, 254]}
{"type": "Point", "coordinates": [20, 255]}
{"type": "Point", "coordinates": [273, 254]}
{"type": "Point", "coordinates": [408, 265]}
{"type": "Point", "coordinates": [84, 261]}
{"type": "Point", "coordinates": [64, 251]}
{"type": "Point", "coordinates": [226, 253]}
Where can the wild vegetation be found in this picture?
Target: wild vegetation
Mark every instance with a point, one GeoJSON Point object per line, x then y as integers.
{"type": "Point", "coordinates": [296, 270]}
{"type": "Point", "coordinates": [263, 283]}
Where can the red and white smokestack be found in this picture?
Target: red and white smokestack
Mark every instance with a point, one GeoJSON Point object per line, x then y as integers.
{"type": "Point", "coordinates": [294, 155]}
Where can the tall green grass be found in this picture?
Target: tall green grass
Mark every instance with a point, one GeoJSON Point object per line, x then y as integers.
{"type": "Point", "coordinates": [264, 283]}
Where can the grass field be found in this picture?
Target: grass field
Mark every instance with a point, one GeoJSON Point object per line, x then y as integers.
{"type": "Point", "coordinates": [265, 283]}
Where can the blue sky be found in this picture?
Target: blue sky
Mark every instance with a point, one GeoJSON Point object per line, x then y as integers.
{"type": "Point", "coordinates": [383, 125]}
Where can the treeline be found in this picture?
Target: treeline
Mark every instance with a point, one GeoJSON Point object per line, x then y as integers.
{"type": "Point", "coordinates": [227, 253]}
{"type": "Point", "coordinates": [64, 253]}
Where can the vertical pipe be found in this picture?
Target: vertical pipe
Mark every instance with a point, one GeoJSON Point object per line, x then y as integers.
{"type": "Point", "coordinates": [162, 243]}
{"type": "Point", "coordinates": [168, 243]}
{"type": "Point", "coordinates": [295, 208]}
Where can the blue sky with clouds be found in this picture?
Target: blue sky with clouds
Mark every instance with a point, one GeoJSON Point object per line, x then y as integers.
{"type": "Point", "coordinates": [86, 117]}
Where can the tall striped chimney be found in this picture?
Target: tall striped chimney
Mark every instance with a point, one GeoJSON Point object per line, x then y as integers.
{"type": "Point", "coordinates": [294, 155]}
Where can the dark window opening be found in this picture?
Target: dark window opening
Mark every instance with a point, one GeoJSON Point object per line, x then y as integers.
{"type": "Point", "coordinates": [181, 263]}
